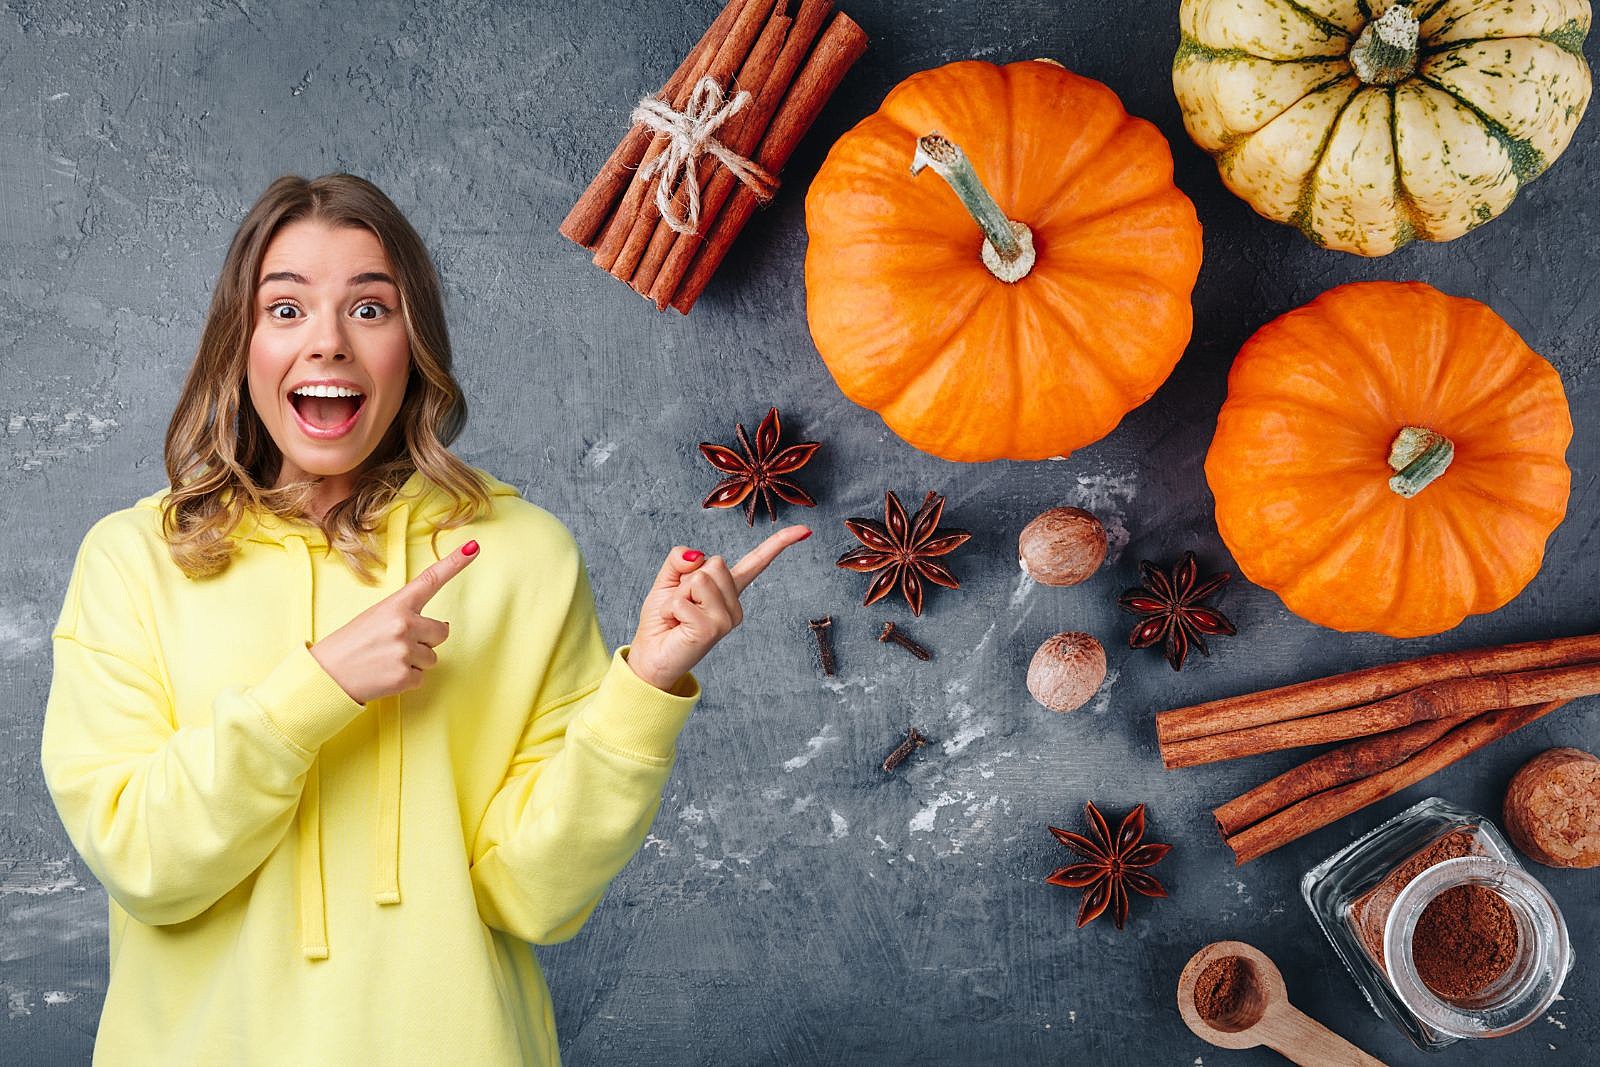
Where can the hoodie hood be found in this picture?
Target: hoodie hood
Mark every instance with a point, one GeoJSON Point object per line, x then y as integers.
{"type": "Point", "coordinates": [410, 514]}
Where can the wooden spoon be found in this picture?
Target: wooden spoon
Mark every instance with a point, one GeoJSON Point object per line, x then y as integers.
{"type": "Point", "coordinates": [1264, 1015]}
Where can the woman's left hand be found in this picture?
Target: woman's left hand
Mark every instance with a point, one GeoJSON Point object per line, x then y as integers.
{"type": "Point", "coordinates": [694, 604]}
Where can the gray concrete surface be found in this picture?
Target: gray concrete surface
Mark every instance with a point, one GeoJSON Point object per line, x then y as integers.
{"type": "Point", "coordinates": [791, 905]}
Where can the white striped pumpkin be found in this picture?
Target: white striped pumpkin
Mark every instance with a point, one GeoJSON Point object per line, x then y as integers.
{"type": "Point", "coordinates": [1369, 123]}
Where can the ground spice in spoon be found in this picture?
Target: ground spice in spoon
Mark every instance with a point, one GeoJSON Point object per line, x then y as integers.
{"type": "Point", "coordinates": [1221, 990]}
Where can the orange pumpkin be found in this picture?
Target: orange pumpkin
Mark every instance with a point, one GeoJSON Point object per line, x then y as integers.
{"type": "Point", "coordinates": [975, 341]}
{"type": "Point", "coordinates": [1390, 458]}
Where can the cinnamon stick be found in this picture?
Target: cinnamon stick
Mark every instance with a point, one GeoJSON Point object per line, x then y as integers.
{"type": "Point", "coordinates": [1347, 763]}
{"type": "Point", "coordinates": [1331, 805]}
{"type": "Point", "coordinates": [595, 206]}
{"type": "Point", "coordinates": [625, 238]}
{"type": "Point", "coordinates": [840, 45]}
{"type": "Point", "coordinates": [1364, 686]}
{"type": "Point", "coordinates": [735, 132]}
{"type": "Point", "coordinates": [665, 274]}
{"type": "Point", "coordinates": [1453, 698]}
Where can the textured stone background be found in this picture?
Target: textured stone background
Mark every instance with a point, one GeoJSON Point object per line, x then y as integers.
{"type": "Point", "coordinates": [791, 905]}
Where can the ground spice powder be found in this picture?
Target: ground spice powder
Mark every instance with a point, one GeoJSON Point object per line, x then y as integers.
{"type": "Point", "coordinates": [1221, 990]}
{"type": "Point", "coordinates": [1465, 938]}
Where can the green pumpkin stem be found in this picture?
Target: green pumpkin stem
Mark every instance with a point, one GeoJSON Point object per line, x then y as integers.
{"type": "Point", "coordinates": [1418, 455]}
{"type": "Point", "coordinates": [1008, 246]}
{"type": "Point", "coordinates": [1386, 51]}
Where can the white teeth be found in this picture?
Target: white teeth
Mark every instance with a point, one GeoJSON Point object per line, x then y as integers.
{"type": "Point", "coordinates": [325, 390]}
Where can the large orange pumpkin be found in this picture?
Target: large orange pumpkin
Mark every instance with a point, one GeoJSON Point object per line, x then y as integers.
{"type": "Point", "coordinates": [971, 344]}
{"type": "Point", "coordinates": [1390, 458]}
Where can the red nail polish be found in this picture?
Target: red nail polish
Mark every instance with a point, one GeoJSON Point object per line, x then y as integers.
{"type": "Point", "coordinates": [807, 534]}
{"type": "Point", "coordinates": [693, 555]}
{"type": "Point", "coordinates": [470, 548]}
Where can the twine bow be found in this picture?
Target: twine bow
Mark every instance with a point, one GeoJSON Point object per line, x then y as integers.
{"type": "Point", "coordinates": [690, 132]}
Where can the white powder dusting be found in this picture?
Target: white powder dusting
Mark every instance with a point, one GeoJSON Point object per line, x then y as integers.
{"type": "Point", "coordinates": [841, 826]}
{"type": "Point", "coordinates": [922, 821]}
{"type": "Point", "coordinates": [1104, 495]}
{"type": "Point", "coordinates": [596, 454]}
{"type": "Point", "coordinates": [38, 877]}
{"type": "Point", "coordinates": [814, 748]}
{"type": "Point", "coordinates": [1025, 584]}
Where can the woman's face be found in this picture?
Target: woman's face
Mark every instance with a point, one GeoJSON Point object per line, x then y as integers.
{"type": "Point", "coordinates": [327, 307]}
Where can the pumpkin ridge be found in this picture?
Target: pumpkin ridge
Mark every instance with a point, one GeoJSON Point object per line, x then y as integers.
{"type": "Point", "coordinates": [1193, 48]}
{"type": "Point", "coordinates": [1562, 37]}
{"type": "Point", "coordinates": [958, 325]}
{"type": "Point", "coordinates": [1499, 579]}
{"type": "Point", "coordinates": [1059, 300]}
{"type": "Point", "coordinates": [1527, 162]}
{"type": "Point", "coordinates": [918, 368]}
{"type": "Point", "coordinates": [1322, 23]}
{"type": "Point", "coordinates": [1311, 557]}
{"type": "Point", "coordinates": [1301, 216]}
{"type": "Point", "coordinates": [1039, 220]}
{"type": "Point", "coordinates": [1278, 401]}
{"type": "Point", "coordinates": [1402, 195]}
{"type": "Point", "coordinates": [1327, 316]}
{"type": "Point", "coordinates": [1304, 590]}
{"type": "Point", "coordinates": [1521, 516]}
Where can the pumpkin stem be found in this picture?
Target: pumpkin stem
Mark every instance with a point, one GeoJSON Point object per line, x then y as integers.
{"type": "Point", "coordinates": [1008, 246]}
{"type": "Point", "coordinates": [1419, 456]}
{"type": "Point", "coordinates": [1386, 51]}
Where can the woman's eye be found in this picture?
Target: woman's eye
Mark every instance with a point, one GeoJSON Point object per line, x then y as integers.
{"type": "Point", "coordinates": [273, 309]}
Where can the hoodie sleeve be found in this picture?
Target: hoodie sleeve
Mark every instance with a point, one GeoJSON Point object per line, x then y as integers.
{"type": "Point", "coordinates": [584, 784]}
{"type": "Point", "coordinates": [171, 818]}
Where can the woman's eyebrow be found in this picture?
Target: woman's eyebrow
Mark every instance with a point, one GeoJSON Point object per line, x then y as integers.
{"type": "Point", "coordinates": [291, 276]}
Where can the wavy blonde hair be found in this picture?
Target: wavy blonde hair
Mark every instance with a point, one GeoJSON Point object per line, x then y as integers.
{"type": "Point", "coordinates": [220, 458]}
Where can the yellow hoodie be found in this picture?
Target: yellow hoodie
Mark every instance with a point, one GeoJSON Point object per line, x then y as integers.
{"type": "Point", "coordinates": [296, 878]}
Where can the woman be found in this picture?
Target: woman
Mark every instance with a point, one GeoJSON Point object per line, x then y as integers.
{"type": "Point", "coordinates": [327, 830]}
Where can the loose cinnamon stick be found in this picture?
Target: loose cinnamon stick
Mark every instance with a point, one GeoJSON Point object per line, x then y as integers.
{"type": "Point", "coordinates": [624, 240]}
{"type": "Point", "coordinates": [1347, 763]}
{"type": "Point", "coordinates": [1364, 686]}
{"type": "Point", "coordinates": [665, 275]}
{"type": "Point", "coordinates": [840, 45]}
{"type": "Point", "coordinates": [735, 133]}
{"type": "Point", "coordinates": [594, 207]}
{"type": "Point", "coordinates": [1453, 698]}
{"type": "Point", "coordinates": [1318, 811]}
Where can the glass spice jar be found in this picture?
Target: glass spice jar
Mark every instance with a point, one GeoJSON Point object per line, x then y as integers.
{"type": "Point", "coordinates": [1443, 930]}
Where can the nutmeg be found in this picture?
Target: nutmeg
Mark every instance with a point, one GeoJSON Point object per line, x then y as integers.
{"type": "Point", "coordinates": [1066, 671]}
{"type": "Point", "coordinates": [1552, 809]}
{"type": "Point", "coordinates": [1062, 546]}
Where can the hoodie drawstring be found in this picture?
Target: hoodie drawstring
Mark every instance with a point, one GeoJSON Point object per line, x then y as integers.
{"type": "Point", "coordinates": [386, 877]}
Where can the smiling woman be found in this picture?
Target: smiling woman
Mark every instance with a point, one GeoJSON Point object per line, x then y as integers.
{"type": "Point", "coordinates": [329, 355]}
{"type": "Point", "coordinates": [328, 830]}
{"type": "Point", "coordinates": [326, 283]}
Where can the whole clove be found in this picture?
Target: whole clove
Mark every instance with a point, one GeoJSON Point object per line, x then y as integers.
{"type": "Point", "coordinates": [893, 633]}
{"type": "Point", "coordinates": [819, 627]}
{"type": "Point", "coordinates": [914, 740]}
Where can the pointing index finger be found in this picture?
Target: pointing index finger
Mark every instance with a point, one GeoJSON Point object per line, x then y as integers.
{"type": "Point", "coordinates": [756, 560]}
{"type": "Point", "coordinates": [418, 591]}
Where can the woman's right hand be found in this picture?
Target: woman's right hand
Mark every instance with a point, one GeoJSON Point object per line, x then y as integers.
{"type": "Point", "coordinates": [385, 649]}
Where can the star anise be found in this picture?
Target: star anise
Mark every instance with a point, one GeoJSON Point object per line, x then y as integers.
{"type": "Point", "coordinates": [903, 550]}
{"type": "Point", "coordinates": [1169, 609]}
{"type": "Point", "coordinates": [757, 472]}
{"type": "Point", "coordinates": [1116, 865]}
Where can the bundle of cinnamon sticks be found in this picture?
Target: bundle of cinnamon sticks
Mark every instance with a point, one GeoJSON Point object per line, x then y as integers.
{"type": "Point", "coordinates": [790, 65]}
{"type": "Point", "coordinates": [1402, 722]}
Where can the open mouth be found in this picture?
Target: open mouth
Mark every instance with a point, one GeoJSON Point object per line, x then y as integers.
{"type": "Point", "coordinates": [327, 415]}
